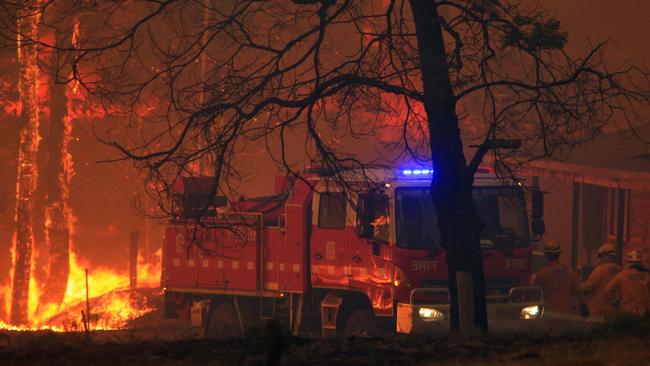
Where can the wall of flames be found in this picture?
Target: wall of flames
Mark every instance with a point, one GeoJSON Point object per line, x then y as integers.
{"type": "Point", "coordinates": [112, 303]}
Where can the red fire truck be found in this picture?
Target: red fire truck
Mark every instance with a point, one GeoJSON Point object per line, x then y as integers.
{"type": "Point", "coordinates": [321, 259]}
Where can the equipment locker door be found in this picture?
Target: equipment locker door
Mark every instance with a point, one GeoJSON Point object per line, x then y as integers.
{"type": "Point", "coordinates": [294, 251]}
{"type": "Point", "coordinates": [180, 258]}
{"type": "Point", "coordinates": [329, 240]}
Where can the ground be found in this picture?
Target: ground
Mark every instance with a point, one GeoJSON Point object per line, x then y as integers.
{"type": "Point", "coordinates": [621, 342]}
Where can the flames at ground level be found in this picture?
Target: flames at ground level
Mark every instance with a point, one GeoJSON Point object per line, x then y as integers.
{"type": "Point", "coordinates": [112, 303]}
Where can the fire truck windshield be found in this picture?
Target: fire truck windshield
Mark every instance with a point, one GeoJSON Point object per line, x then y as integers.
{"type": "Point", "coordinates": [501, 210]}
{"type": "Point", "coordinates": [416, 220]}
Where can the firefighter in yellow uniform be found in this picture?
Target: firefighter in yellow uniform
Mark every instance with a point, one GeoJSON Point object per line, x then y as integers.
{"type": "Point", "coordinates": [628, 290]}
{"type": "Point", "coordinates": [559, 283]}
{"type": "Point", "coordinates": [593, 289]}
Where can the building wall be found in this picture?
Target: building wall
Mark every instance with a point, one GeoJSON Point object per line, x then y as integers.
{"type": "Point", "coordinates": [558, 200]}
{"type": "Point", "coordinates": [597, 219]}
{"type": "Point", "coordinates": [590, 223]}
{"type": "Point", "coordinates": [639, 222]}
{"type": "Point", "coordinates": [593, 221]}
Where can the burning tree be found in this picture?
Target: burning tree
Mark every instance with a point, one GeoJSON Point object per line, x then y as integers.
{"type": "Point", "coordinates": [41, 215]}
{"type": "Point", "coordinates": [57, 174]}
{"type": "Point", "coordinates": [47, 281]}
{"type": "Point", "coordinates": [10, 130]}
{"type": "Point", "coordinates": [211, 81]}
{"type": "Point", "coordinates": [27, 172]}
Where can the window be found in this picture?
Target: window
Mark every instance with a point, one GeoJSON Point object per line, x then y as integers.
{"type": "Point", "coordinates": [594, 214]}
{"type": "Point", "coordinates": [417, 222]}
{"type": "Point", "coordinates": [611, 213]}
{"type": "Point", "coordinates": [503, 216]}
{"type": "Point", "coordinates": [331, 210]}
{"type": "Point", "coordinates": [619, 201]}
{"type": "Point", "coordinates": [501, 210]}
{"type": "Point", "coordinates": [374, 209]}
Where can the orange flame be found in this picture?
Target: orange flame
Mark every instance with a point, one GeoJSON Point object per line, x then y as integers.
{"type": "Point", "coordinates": [27, 172]}
{"type": "Point", "coordinates": [112, 305]}
{"type": "Point", "coordinates": [75, 43]}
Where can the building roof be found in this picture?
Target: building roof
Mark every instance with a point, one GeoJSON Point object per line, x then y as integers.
{"type": "Point", "coordinates": [623, 150]}
{"type": "Point", "coordinates": [620, 159]}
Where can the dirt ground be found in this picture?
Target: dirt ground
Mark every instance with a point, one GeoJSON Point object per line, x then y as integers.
{"type": "Point", "coordinates": [157, 342]}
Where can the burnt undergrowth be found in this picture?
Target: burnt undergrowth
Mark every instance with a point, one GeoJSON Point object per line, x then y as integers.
{"type": "Point", "coordinates": [277, 348]}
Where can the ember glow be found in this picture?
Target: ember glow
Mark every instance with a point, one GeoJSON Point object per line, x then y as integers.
{"type": "Point", "coordinates": [112, 304]}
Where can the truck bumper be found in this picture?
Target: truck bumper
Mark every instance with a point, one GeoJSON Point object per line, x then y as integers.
{"type": "Point", "coordinates": [418, 319]}
{"type": "Point", "coordinates": [409, 320]}
{"type": "Point", "coordinates": [508, 315]}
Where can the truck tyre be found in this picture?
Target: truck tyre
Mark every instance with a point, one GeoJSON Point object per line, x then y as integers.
{"type": "Point", "coordinates": [361, 323]}
{"type": "Point", "coordinates": [222, 323]}
{"type": "Point", "coordinates": [169, 306]}
{"type": "Point", "coordinates": [177, 306]}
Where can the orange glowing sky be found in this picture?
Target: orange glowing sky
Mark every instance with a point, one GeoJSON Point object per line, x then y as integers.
{"type": "Point", "coordinates": [625, 22]}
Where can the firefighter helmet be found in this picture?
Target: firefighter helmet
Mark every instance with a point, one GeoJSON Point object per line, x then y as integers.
{"type": "Point", "coordinates": [606, 249]}
{"type": "Point", "coordinates": [633, 256]}
{"type": "Point", "coordinates": [552, 247]}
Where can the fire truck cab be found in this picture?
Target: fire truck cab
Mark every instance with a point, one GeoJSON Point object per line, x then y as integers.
{"type": "Point", "coordinates": [321, 259]}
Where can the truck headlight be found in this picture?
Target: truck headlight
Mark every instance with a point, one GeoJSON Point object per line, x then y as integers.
{"type": "Point", "coordinates": [531, 312]}
{"type": "Point", "coordinates": [431, 314]}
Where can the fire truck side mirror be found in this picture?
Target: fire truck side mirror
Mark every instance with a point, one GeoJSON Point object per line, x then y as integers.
{"type": "Point", "coordinates": [538, 204]}
{"type": "Point", "coordinates": [366, 230]}
{"type": "Point", "coordinates": [537, 225]}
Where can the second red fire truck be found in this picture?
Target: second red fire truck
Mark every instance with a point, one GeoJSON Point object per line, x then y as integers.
{"type": "Point", "coordinates": [325, 260]}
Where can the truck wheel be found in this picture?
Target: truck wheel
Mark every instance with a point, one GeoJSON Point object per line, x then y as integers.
{"type": "Point", "coordinates": [361, 323]}
{"type": "Point", "coordinates": [177, 306]}
{"type": "Point", "coordinates": [169, 306]}
{"type": "Point", "coordinates": [222, 323]}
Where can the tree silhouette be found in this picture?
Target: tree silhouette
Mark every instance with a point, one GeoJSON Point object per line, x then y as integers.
{"type": "Point", "coordinates": [209, 81]}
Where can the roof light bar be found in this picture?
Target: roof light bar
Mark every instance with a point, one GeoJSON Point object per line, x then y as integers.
{"type": "Point", "coordinates": [417, 171]}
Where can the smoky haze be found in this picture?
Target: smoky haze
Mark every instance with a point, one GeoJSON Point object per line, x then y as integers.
{"type": "Point", "coordinates": [102, 195]}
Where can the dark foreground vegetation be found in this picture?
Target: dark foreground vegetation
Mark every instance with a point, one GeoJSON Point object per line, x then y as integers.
{"type": "Point", "coordinates": [623, 341]}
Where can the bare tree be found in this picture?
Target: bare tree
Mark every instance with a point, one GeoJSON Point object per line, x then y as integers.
{"type": "Point", "coordinates": [312, 76]}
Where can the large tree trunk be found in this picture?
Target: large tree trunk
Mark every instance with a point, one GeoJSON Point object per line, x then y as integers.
{"type": "Point", "coordinates": [452, 181]}
{"type": "Point", "coordinates": [56, 212]}
{"type": "Point", "coordinates": [10, 131]}
{"type": "Point", "coordinates": [40, 249]}
{"type": "Point", "coordinates": [9, 157]}
{"type": "Point", "coordinates": [57, 175]}
{"type": "Point", "coordinates": [27, 173]}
